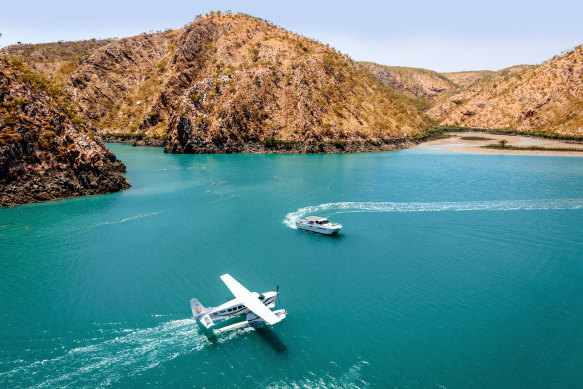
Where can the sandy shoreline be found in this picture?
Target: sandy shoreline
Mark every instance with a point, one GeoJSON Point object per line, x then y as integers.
{"type": "Point", "coordinates": [473, 146]}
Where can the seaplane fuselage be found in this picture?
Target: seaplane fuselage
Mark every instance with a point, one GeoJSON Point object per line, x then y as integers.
{"type": "Point", "coordinates": [235, 307]}
{"type": "Point", "coordinates": [229, 309]}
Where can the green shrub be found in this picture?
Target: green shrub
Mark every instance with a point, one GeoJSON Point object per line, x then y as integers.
{"type": "Point", "coordinates": [47, 140]}
{"type": "Point", "coordinates": [340, 143]}
{"type": "Point", "coordinates": [475, 138]}
{"type": "Point", "coordinates": [195, 98]}
{"type": "Point", "coordinates": [271, 142]}
{"type": "Point", "coordinates": [9, 136]}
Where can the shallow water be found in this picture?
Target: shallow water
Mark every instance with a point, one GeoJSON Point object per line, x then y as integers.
{"type": "Point", "coordinates": [452, 270]}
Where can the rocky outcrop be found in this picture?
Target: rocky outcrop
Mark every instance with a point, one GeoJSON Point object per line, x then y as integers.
{"type": "Point", "coordinates": [46, 151]}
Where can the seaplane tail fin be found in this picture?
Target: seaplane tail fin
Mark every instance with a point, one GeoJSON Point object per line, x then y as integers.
{"type": "Point", "coordinates": [198, 310]}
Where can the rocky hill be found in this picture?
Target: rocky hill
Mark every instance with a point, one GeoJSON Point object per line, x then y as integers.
{"type": "Point", "coordinates": [228, 80]}
{"type": "Point", "coordinates": [532, 99]}
{"type": "Point", "coordinates": [413, 82]}
{"type": "Point", "coordinates": [46, 151]}
{"type": "Point", "coordinates": [253, 81]}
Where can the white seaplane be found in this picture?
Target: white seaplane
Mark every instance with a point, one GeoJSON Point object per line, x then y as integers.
{"type": "Point", "coordinates": [256, 306]}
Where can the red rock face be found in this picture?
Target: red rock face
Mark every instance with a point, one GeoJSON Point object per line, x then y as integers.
{"type": "Point", "coordinates": [46, 151]}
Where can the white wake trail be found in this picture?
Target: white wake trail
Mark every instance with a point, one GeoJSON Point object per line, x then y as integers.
{"type": "Point", "coordinates": [106, 362]}
{"type": "Point", "coordinates": [141, 216]}
{"type": "Point", "coordinates": [500, 205]}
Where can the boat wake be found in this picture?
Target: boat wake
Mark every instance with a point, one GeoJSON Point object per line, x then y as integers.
{"type": "Point", "coordinates": [104, 363]}
{"type": "Point", "coordinates": [500, 205]}
{"type": "Point", "coordinates": [141, 216]}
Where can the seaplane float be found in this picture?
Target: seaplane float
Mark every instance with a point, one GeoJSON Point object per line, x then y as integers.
{"type": "Point", "coordinates": [319, 225]}
{"type": "Point", "coordinates": [256, 306]}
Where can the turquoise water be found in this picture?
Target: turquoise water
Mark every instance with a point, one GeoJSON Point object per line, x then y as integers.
{"type": "Point", "coordinates": [453, 271]}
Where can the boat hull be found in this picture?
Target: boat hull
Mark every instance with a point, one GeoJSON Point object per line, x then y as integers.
{"type": "Point", "coordinates": [318, 230]}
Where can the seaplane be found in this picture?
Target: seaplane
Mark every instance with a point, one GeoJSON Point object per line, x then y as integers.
{"type": "Point", "coordinates": [256, 306]}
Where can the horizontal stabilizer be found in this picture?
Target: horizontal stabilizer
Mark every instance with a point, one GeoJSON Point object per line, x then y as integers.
{"type": "Point", "coordinates": [206, 321]}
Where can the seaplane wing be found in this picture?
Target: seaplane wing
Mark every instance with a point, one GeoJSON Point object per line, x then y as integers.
{"type": "Point", "coordinates": [249, 300]}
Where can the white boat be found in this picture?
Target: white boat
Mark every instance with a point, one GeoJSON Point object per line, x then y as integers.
{"type": "Point", "coordinates": [320, 225]}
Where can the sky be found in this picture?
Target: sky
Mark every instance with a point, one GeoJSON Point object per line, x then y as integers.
{"type": "Point", "coordinates": [438, 35]}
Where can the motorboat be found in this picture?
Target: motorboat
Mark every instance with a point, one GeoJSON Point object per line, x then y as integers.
{"type": "Point", "coordinates": [320, 225]}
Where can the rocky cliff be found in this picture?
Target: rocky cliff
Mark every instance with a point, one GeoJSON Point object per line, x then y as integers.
{"type": "Point", "coordinates": [46, 151]}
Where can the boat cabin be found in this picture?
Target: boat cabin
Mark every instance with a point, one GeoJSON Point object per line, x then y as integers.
{"type": "Point", "coordinates": [316, 220]}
